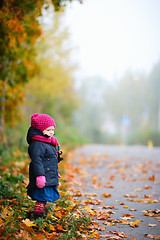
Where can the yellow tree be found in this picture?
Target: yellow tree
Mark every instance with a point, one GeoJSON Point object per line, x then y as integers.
{"type": "Point", "coordinates": [52, 90]}
{"type": "Point", "coordinates": [19, 30]}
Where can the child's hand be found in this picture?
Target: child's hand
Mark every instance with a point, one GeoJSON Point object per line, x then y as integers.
{"type": "Point", "coordinates": [40, 181]}
{"type": "Point", "coordinates": [59, 156]}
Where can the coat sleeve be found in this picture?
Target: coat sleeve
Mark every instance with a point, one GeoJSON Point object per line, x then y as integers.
{"type": "Point", "coordinates": [36, 152]}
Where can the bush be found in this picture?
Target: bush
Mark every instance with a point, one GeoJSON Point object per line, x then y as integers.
{"type": "Point", "coordinates": [144, 136]}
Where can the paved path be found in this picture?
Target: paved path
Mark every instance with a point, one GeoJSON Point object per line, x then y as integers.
{"type": "Point", "coordinates": [120, 189]}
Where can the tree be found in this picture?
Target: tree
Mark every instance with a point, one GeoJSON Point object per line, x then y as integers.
{"type": "Point", "coordinates": [52, 90]}
{"type": "Point", "coordinates": [154, 97]}
{"type": "Point", "coordinates": [18, 34]}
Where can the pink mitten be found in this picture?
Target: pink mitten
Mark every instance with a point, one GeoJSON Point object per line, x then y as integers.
{"type": "Point", "coordinates": [59, 175]}
{"type": "Point", "coordinates": [40, 181]}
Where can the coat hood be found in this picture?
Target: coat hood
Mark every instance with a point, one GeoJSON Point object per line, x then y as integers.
{"type": "Point", "coordinates": [32, 131]}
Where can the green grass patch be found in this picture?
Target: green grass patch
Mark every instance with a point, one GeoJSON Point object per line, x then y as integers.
{"type": "Point", "coordinates": [64, 220]}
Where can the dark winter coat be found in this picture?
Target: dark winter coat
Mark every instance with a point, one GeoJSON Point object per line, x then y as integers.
{"type": "Point", "coordinates": [43, 160]}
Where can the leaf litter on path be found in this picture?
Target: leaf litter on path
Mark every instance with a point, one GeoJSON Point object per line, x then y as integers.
{"type": "Point", "coordinates": [101, 176]}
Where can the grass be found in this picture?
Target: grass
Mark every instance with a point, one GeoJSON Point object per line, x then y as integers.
{"type": "Point", "coordinates": [64, 220]}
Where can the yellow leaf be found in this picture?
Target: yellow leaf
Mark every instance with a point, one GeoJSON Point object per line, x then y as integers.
{"type": "Point", "coordinates": [90, 211]}
{"type": "Point", "coordinates": [135, 223]}
{"type": "Point", "coordinates": [29, 223]}
{"type": "Point", "coordinates": [49, 215]}
{"type": "Point", "coordinates": [52, 228]}
{"type": "Point", "coordinates": [1, 222]}
{"type": "Point", "coordinates": [6, 213]}
{"type": "Point", "coordinates": [105, 195]}
{"type": "Point", "coordinates": [125, 222]}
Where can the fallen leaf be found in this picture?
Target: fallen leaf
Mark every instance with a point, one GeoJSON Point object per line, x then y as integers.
{"type": "Point", "coordinates": [125, 222]}
{"type": "Point", "coordinates": [95, 202]}
{"type": "Point", "coordinates": [23, 235]}
{"type": "Point", "coordinates": [90, 194]}
{"type": "Point", "coordinates": [6, 213]}
{"type": "Point", "coordinates": [158, 218]}
{"type": "Point", "coordinates": [40, 237]}
{"type": "Point", "coordinates": [59, 227]}
{"type": "Point", "coordinates": [114, 237]}
{"type": "Point", "coordinates": [111, 207]}
{"type": "Point", "coordinates": [101, 228]}
{"type": "Point", "coordinates": [125, 218]}
{"type": "Point", "coordinates": [94, 235]}
{"type": "Point", "coordinates": [135, 223]}
{"type": "Point", "coordinates": [111, 177]}
{"type": "Point", "coordinates": [77, 194]}
{"type": "Point", "coordinates": [128, 215]}
{"type": "Point", "coordinates": [52, 228]}
{"type": "Point", "coordinates": [109, 223]}
{"type": "Point", "coordinates": [106, 236]}
{"type": "Point", "coordinates": [28, 223]}
{"type": "Point", "coordinates": [131, 195]}
{"type": "Point", "coordinates": [152, 225]}
{"type": "Point", "coordinates": [110, 212]}
{"type": "Point", "coordinates": [152, 178]}
{"type": "Point", "coordinates": [90, 211]}
{"type": "Point", "coordinates": [1, 222]}
{"type": "Point", "coordinates": [50, 216]}
{"type": "Point", "coordinates": [103, 216]}
{"type": "Point", "coordinates": [105, 195]}
{"type": "Point", "coordinates": [105, 186]}
{"type": "Point", "coordinates": [152, 236]}
{"type": "Point", "coordinates": [114, 220]}
{"type": "Point", "coordinates": [151, 213]}
{"type": "Point", "coordinates": [132, 209]}
{"type": "Point", "coordinates": [120, 234]}
{"type": "Point", "coordinates": [147, 187]}
{"type": "Point", "coordinates": [125, 206]}
{"type": "Point", "coordinates": [138, 189]}
{"type": "Point", "coordinates": [93, 225]}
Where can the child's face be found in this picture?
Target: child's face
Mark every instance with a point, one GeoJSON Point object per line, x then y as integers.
{"type": "Point", "coordinates": [49, 131]}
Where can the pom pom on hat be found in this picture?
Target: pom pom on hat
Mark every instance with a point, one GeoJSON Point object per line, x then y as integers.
{"type": "Point", "coordinates": [42, 121]}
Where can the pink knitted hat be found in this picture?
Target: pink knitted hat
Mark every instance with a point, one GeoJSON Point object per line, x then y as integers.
{"type": "Point", "coordinates": [42, 121]}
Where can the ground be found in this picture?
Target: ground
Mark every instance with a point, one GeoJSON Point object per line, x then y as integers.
{"type": "Point", "coordinates": [119, 188]}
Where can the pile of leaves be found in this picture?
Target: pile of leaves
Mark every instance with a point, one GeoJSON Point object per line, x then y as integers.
{"type": "Point", "coordinates": [65, 219]}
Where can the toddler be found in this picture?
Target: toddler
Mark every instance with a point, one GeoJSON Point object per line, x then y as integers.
{"type": "Point", "coordinates": [44, 151]}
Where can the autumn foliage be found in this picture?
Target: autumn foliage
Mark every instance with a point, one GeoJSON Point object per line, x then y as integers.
{"type": "Point", "coordinates": [20, 29]}
{"type": "Point", "coordinates": [17, 41]}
